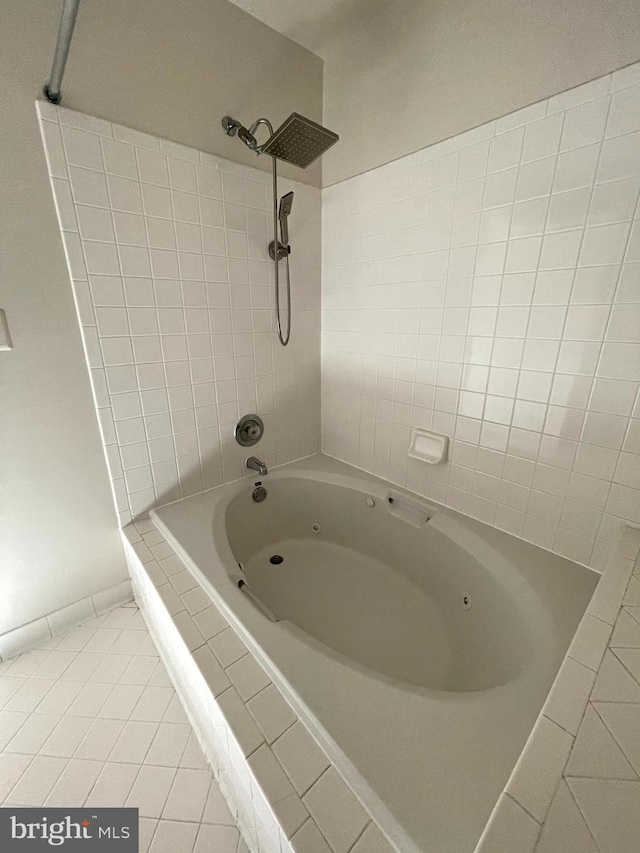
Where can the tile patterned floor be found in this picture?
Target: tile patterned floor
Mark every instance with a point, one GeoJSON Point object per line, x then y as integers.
{"type": "Point", "coordinates": [90, 718]}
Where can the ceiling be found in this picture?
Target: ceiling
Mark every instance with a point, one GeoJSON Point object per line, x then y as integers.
{"type": "Point", "coordinates": [312, 23]}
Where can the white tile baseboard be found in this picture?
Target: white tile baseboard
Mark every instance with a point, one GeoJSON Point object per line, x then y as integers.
{"type": "Point", "coordinates": [24, 637]}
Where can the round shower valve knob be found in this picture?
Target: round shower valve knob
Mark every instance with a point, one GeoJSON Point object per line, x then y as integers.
{"type": "Point", "coordinates": [249, 430]}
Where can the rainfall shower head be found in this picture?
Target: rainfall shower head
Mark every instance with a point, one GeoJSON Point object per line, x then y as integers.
{"type": "Point", "coordinates": [299, 141]}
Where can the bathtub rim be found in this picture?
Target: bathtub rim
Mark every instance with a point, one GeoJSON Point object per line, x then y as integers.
{"type": "Point", "coordinates": [243, 612]}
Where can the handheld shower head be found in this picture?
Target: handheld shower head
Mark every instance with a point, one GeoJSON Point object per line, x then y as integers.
{"type": "Point", "coordinates": [286, 203]}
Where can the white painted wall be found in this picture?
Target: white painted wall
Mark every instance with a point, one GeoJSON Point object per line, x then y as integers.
{"type": "Point", "coordinates": [165, 67]}
{"type": "Point", "coordinates": [488, 288]}
{"type": "Point", "coordinates": [403, 75]}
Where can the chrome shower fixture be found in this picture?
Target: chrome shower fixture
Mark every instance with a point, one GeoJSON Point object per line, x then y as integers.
{"type": "Point", "coordinates": [286, 203]}
{"type": "Point", "coordinates": [282, 246]}
{"type": "Point", "coordinates": [298, 140]}
{"type": "Point", "coordinates": [233, 128]}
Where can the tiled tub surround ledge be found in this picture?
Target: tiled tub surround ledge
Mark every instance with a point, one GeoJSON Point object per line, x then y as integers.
{"type": "Point", "coordinates": [488, 288]}
{"type": "Point", "coordinates": [167, 252]}
{"type": "Point", "coordinates": [270, 770]}
{"type": "Point", "coordinates": [258, 715]}
{"type": "Point", "coordinates": [27, 636]}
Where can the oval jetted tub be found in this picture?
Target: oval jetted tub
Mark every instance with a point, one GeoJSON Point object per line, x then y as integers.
{"type": "Point", "coordinates": [417, 644]}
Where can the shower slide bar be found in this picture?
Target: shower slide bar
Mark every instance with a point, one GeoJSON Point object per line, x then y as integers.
{"type": "Point", "coordinates": [65, 32]}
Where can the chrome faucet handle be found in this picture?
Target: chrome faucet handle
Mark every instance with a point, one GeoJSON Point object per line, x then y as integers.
{"type": "Point", "coordinates": [249, 430]}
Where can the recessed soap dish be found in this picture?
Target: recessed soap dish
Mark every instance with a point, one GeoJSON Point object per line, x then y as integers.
{"type": "Point", "coordinates": [428, 446]}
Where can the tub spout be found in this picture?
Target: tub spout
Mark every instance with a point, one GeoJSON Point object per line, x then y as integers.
{"type": "Point", "coordinates": [256, 465]}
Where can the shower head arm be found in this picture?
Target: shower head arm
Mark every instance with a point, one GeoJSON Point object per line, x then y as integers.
{"type": "Point", "coordinates": [256, 125]}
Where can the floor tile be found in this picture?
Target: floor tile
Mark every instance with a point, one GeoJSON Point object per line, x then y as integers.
{"type": "Point", "coordinates": [174, 837]}
{"type": "Point", "coordinates": [626, 633]}
{"type": "Point", "coordinates": [222, 839]}
{"type": "Point", "coordinates": [8, 688]}
{"type": "Point", "coordinates": [75, 783]}
{"type": "Point", "coordinates": [630, 658]}
{"type": "Point", "coordinates": [168, 745]}
{"type": "Point", "coordinates": [611, 810]}
{"type": "Point", "coordinates": [32, 735]}
{"type": "Point", "coordinates": [152, 703]}
{"type": "Point", "coordinates": [76, 639]}
{"type": "Point", "coordinates": [83, 666]}
{"type": "Point", "coordinates": [614, 683]}
{"type": "Point", "coordinates": [100, 739]}
{"type": "Point", "coordinates": [128, 642]}
{"type": "Point", "coordinates": [60, 698]}
{"type": "Point", "coordinates": [90, 700]}
{"type": "Point", "coordinates": [111, 669]}
{"type": "Point", "coordinates": [10, 722]}
{"type": "Point", "coordinates": [175, 712]}
{"type": "Point", "coordinates": [623, 721]}
{"type": "Point", "coordinates": [55, 664]}
{"type": "Point", "coordinates": [192, 756]}
{"type": "Point", "coordinates": [30, 694]}
{"type": "Point", "coordinates": [146, 829]}
{"type": "Point", "coordinates": [151, 789]}
{"type": "Point", "coordinates": [564, 830]}
{"type": "Point", "coordinates": [134, 742]}
{"type": "Point", "coordinates": [91, 717]}
{"type": "Point", "coordinates": [12, 767]}
{"type": "Point", "coordinates": [140, 670]}
{"type": "Point", "coordinates": [121, 702]}
{"type": "Point", "coordinates": [26, 664]}
{"type": "Point", "coordinates": [35, 785]}
{"type": "Point", "coordinates": [102, 640]}
{"type": "Point", "coordinates": [188, 795]}
{"type": "Point", "coordinates": [67, 736]}
{"type": "Point", "coordinates": [113, 786]}
{"type": "Point", "coordinates": [216, 809]}
{"type": "Point", "coordinates": [119, 618]}
{"type": "Point", "coordinates": [595, 753]}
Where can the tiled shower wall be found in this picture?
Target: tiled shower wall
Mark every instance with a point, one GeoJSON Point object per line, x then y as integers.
{"type": "Point", "coordinates": [167, 249]}
{"type": "Point", "coordinates": [488, 288]}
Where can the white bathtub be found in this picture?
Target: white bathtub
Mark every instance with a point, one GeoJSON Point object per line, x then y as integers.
{"type": "Point", "coordinates": [418, 652]}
